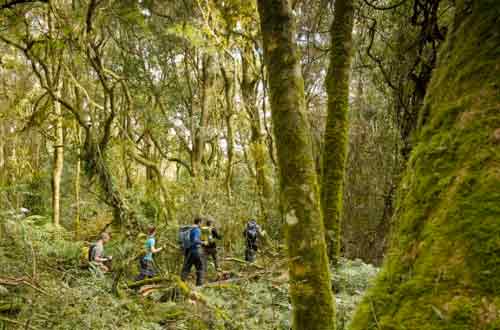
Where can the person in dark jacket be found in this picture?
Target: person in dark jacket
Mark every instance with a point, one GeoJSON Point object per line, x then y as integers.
{"type": "Point", "coordinates": [194, 255]}
{"type": "Point", "coordinates": [251, 234]}
{"type": "Point", "coordinates": [209, 235]}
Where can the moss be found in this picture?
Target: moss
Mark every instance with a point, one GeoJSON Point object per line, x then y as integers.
{"type": "Point", "coordinates": [443, 269]}
{"type": "Point", "coordinates": [335, 137]}
{"type": "Point", "coordinates": [310, 284]}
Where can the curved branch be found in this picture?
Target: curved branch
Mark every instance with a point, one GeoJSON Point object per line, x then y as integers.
{"type": "Point", "coordinates": [374, 6]}
{"type": "Point", "coordinates": [156, 169]}
{"type": "Point", "coordinates": [171, 159]}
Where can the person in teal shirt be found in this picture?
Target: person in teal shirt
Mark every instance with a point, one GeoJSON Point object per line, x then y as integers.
{"type": "Point", "coordinates": [146, 264]}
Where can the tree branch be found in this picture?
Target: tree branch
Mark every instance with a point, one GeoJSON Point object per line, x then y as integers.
{"type": "Point", "coordinates": [374, 6]}
{"type": "Point", "coordinates": [14, 3]}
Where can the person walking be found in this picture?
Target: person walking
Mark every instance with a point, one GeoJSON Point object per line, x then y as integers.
{"type": "Point", "coordinates": [193, 254]}
{"type": "Point", "coordinates": [97, 258]}
{"type": "Point", "coordinates": [209, 235]}
{"type": "Point", "coordinates": [146, 264]}
{"type": "Point", "coordinates": [251, 234]}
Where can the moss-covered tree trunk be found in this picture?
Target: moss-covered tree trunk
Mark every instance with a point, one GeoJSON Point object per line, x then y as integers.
{"type": "Point", "coordinates": [58, 157]}
{"type": "Point", "coordinates": [335, 139]}
{"type": "Point", "coordinates": [2, 147]}
{"type": "Point", "coordinates": [78, 171]}
{"type": "Point", "coordinates": [310, 286]}
{"type": "Point", "coordinates": [57, 166]}
{"type": "Point", "coordinates": [249, 82]}
{"type": "Point", "coordinates": [207, 102]}
{"type": "Point", "coordinates": [228, 76]}
{"type": "Point", "coordinates": [443, 269]}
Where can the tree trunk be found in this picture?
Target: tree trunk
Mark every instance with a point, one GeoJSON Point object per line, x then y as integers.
{"type": "Point", "coordinates": [207, 102]}
{"type": "Point", "coordinates": [77, 180]}
{"type": "Point", "coordinates": [229, 92]}
{"type": "Point", "coordinates": [3, 137]}
{"type": "Point", "coordinates": [310, 284]}
{"type": "Point", "coordinates": [443, 269]}
{"type": "Point", "coordinates": [335, 139]}
{"type": "Point", "coordinates": [56, 84]}
{"type": "Point", "coordinates": [249, 82]}
{"type": "Point", "coordinates": [57, 168]}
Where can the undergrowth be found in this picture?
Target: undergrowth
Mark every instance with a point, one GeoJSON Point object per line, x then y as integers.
{"type": "Point", "coordinates": [43, 285]}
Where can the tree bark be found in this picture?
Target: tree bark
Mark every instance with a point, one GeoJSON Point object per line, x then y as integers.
{"type": "Point", "coordinates": [443, 269]}
{"type": "Point", "coordinates": [57, 168]}
{"type": "Point", "coordinates": [207, 102]}
{"type": "Point", "coordinates": [310, 284]}
{"type": "Point", "coordinates": [77, 180]}
{"type": "Point", "coordinates": [58, 162]}
{"type": "Point", "coordinates": [229, 93]}
{"type": "Point", "coordinates": [335, 138]}
{"type": "Point", "coordinates": [3, 137]}
{"type": "Point", "coordinates": [249, 81]}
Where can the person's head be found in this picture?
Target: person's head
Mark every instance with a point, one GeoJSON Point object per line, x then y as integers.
{"type": "Point", "coordinates": [197, 221]}
{"type": "Point", "coordinates": [151, 231]}
{"type": "Point", "coordinates": [105, 237]}
{"type": "Point", "coordinates": [209, 222]}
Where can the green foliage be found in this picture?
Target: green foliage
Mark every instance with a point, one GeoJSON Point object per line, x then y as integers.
{"type": "Point", "coordinates": [38, 194]}
{"type": "Point", "coordinates": [69, 297]}
{"type": "Point", "coordinates": [352, 277]}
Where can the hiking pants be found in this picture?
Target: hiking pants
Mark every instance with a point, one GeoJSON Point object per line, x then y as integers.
{"type": "Point", "coordinates": [193, 257]}
{"type": "Point", "coordinates": [210, 252]}
{"type": "Point", "coordinates": [251, 251]}
{"type": "Point", "coordinates": [146, 270]}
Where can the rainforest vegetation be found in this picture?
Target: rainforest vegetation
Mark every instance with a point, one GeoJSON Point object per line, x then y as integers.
{"type": "Point", "coordinates": [250, 164]}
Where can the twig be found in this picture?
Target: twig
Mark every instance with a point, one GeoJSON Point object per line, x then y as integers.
{"type": "Point", "coordinates": [374, 315]}
{"type": "Point", "coordinates": [19, 281]}
{"type": "Point", "coordinates": [6, 319]}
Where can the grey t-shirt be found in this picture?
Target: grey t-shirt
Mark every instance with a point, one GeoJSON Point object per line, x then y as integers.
{"type": "Point", "coordinates": [98, 251]}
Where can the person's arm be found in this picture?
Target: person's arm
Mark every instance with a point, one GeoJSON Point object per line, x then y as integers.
{"type": "Point", "coordinates": [100, 259]}
{"type": "Point", "coordinates": [197, 236]}
{"type": "Point", "coordinates": [153, 249]}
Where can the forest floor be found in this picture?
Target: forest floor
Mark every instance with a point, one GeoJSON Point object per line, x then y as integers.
{"type": "Point", "coordinates": [44, 286]}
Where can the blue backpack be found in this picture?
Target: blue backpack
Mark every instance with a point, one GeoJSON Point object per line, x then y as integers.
{"type": "Point", "coordinates": [185, 237]}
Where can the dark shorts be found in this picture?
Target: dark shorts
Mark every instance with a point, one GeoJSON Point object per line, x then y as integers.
{"type": "Point", "coordinates": [147, 268]}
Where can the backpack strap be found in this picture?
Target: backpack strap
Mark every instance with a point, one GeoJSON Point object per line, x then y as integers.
{"type": "Point", "coordinates": [91, 255]}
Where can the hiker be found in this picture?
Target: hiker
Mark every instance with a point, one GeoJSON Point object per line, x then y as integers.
{"type": "Point", "coordinates": [96, 254]}
{"type": "Point", "coordinates": [193, 254]}
{"type": "Point", "coordinates": [146, 265]}
{"type": "Point", "coordinates": [251, 234]}
{"type": "Point", "coordinates": [208, 236]}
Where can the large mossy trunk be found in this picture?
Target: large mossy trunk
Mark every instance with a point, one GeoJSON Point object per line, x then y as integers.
{"type": "Point", "coordinates": [443, 268]}
{"type": "Point", "coordinates": [335, 138]}
{"type": "Point", "coordinates": [310, 285]}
